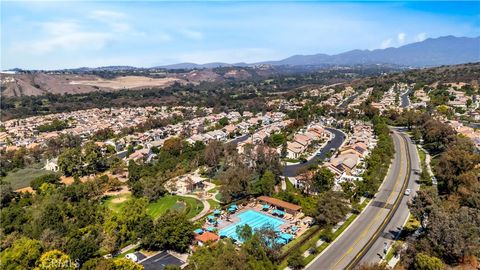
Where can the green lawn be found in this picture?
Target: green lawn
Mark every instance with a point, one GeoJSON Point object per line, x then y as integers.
{"type": "Point", "coordinates": [160, 207]}
{"type": "Point", "coordinates": [114, 206]}
{"type": "Point", "coordinates": [219, 197]}
{"type": "Point", "coordinates": [213, 203]}
{"type": "Point", "coordinates": [213, 190]}
{"type": "Point", "coordinates": [178, 203]}
{"type": "Point", "coordinates": [21, 178]}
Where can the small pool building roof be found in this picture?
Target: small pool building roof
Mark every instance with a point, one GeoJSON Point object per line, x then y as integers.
{"type": "Point", "coordinates": [288, 207]}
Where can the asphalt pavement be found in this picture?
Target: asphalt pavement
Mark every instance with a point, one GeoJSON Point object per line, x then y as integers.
{"type": "Point", "coordinates": [394, 227]}
{"type": "Point", "coordinates": [405, 100]}
{"type": "Point", "coordinates": [335, 143]}
{"type": "Point", "coordinates": [160, 261]}
{"type": "Point", "coordinates": [356, 239]}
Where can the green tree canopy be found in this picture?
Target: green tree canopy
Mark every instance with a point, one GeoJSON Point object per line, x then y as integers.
{"type": "Point", "coordinates": [425, 262]}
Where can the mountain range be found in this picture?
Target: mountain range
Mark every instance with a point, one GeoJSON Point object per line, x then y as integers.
{"type": "Point", "coordinates": [448, 50]}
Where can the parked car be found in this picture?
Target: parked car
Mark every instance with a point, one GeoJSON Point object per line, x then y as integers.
{"type": "Point", "coordinates": [407, 192]}
{"type": "Point", "coordinates": [132, 257]}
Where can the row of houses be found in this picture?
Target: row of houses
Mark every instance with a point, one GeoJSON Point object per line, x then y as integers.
{"type": "Point", "coordinates": [337, 98]}
{"type": "Point", "coordinates": [347, 164]}
{"type": "Point", "coordinates": [301, 141]}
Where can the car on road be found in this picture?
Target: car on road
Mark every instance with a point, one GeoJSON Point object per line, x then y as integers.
{"type": "Point", "coordinates": [132, 257]}
{"type": "Point", "coordinates": [408, 192]}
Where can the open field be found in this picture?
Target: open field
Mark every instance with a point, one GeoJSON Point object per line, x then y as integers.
{"type": "Point", "coordinates": [159, 207]}
{"type": "Point", "coordinates": [128, 82]}
{"type": "Point", "coordinates": [21, 178]}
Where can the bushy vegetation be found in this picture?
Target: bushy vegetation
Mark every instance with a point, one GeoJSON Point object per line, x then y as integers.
{"type": "Point", "coordinates": [379, 160]}
{"type": "Point", "coordinates": [449, 214]}
{"type": "Point", "coordinates": [55, 125]}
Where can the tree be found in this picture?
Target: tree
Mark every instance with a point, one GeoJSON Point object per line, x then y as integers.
{"type": "Point", "coordinates": [172, 267]}
{"type": "Point", "coordinates": [244, 232]}
{"type": "Point", "coordinates": [82, 246]}
{"type": "Point", "coordinates": [331, 208]}
{"type": "Point", "coordinates": [220, 256]}
{"type": "Point", "coordinates": [425, 262]}
{"type": "Point", "coordinates": [152, 187]}
{"type": "Point", "coordinates": [23, 254]}
{"type": "Point", "coordinates": [93, 159]}
{"type": "Point", "coordinates": [257, 253]}
{"type": "Point", "coordinates": [173, 146]}
{"type": "Point", "coordinates": [126, 264]}
{"type": "Point", "coordinates": [55, 259]}
{"type": "Point", "coordinates": [235, 181]}
{"type": "Point", "coordinates": [423, 203]}
{"type": "Point", "coordinates": [70, 162]}
{"type": "Point", "coordinates": [277, 139]}
{"type": "Point", "coordinates": [284, 151]}
{"type": "Point", "coordinates": [173, 231]}
{"type": "Point", "coordinates": [6, 194]}
{"type": "Point", "coordinates": [458, 159]}
{"type": "Point", "coordinates": [266, 184]}
{"type": "Point", "coordinates": [50, 178]}
{"type": "Point", "coordinates": [295, 260]}
{"type": "Point", "coordinates": [223, 121]}
{"type": "Point", "coordinates": [190, 184]}
{"type": "Point", "coordinates": [372, 266]}
{"type": "Point", "coordinates": [213, 153]}
{"type": "Point", "coordinates": [323, 180]}
{"type": "Point", "coordinates": [103, 134]}
{"type": "Point", "coordinates": [417, 134]}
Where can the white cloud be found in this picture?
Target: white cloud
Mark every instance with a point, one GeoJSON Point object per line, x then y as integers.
{"type": "Point", "coordinates": [60, 28]}
{"type": "Point", "coordinates": [420, 37]}
{"type": "Point", "coordinates": [105, 15]}
{"type": "Point", "coordinates": [401, 38]}
{"type": "Point", "coordinates": [386, 43]}
{"type": "Point", "coordinates": [68, 42]}
{"type": "Point", "coordinates": [192, 34]}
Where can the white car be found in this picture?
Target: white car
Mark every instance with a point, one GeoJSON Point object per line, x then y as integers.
{"type": "Point", "coordinates": [407, 192]}
{"type": "Point", "coordinates": [132, 257]}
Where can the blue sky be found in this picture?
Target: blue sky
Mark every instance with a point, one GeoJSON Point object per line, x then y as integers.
{"type": "Point", "coordinates": [68, 34]}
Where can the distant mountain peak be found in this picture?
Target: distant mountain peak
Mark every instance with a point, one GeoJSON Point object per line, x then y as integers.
{"type": "Point", "coordinates": [445, 50]}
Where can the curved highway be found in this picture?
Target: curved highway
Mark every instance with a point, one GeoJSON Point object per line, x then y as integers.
{"type": "Point", "coordinates": [365, 237]}
{"type": "Point", "coordinates": [335, 143]}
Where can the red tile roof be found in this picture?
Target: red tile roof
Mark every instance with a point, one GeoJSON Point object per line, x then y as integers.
{"type": "Point", "coordinates": [206, 237]}
{"type": "Point", "coordinates": [279, 203]}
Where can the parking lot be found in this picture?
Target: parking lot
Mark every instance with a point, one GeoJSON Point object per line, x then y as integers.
{"type": "Point", "coordinates": [160, 260]}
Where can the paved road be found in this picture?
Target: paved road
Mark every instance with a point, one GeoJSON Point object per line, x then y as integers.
{"type": "Point", "coordinates": [335, 143]}
{"type": "Point", "coordinates": [405, 100]}
{"type": "Point", "coordinates": [347, 101]}
{"type": "Point", "coordinates": [354, 240]}
{"type": "Point", "coordinates": [395, 225]}
{"type": "Point", "coordinates": [240, 139]}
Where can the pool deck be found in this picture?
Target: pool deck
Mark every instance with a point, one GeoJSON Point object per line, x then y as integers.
{"type": "Point", "coordinates": [285, 227]}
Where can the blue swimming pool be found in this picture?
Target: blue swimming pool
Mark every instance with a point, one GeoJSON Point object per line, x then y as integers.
{"type": "Point", "coordinates": [254, 219]}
